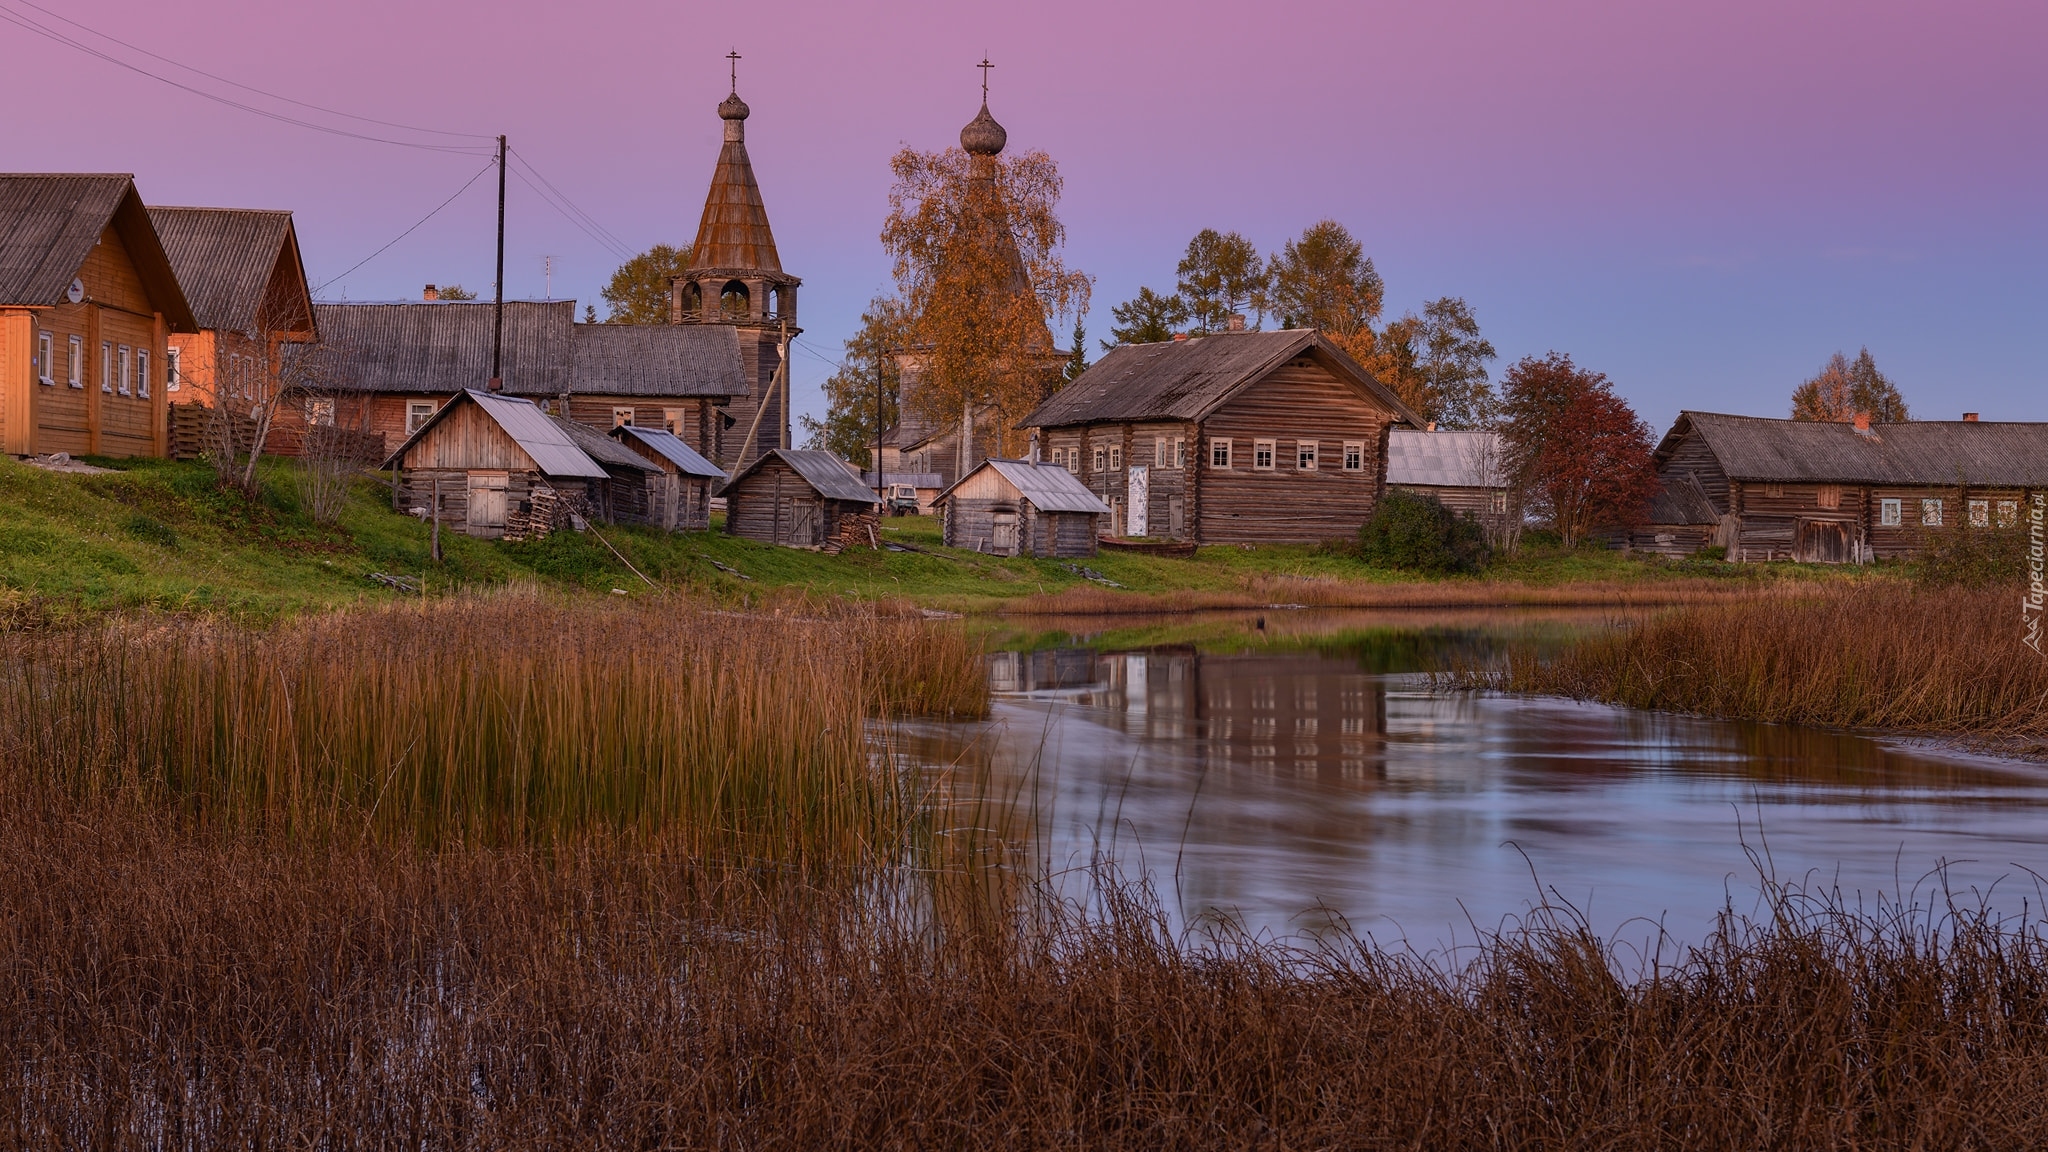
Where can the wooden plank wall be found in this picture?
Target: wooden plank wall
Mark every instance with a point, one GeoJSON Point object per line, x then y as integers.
{"type": "Point", "coordinates": [698, 420]}
{"type": "Point", "coordinates": [1478, 501]}
{"type": "Point", "coordinates": [1691, 454]}
{"type": "Point", "coordinates": [1298, 401]}
{"type": "Point", "coordinates": [754, 508]}
{"type": "Point", "coordinates": [468, 439]}
{"type": "Point", "coordinates": [1113, 484]}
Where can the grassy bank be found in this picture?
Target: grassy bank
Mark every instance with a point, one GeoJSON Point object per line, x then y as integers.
{"type": "Point", "coordinates": [1947, 661]}
{"type": "Point", "coordinates": [160, 535]}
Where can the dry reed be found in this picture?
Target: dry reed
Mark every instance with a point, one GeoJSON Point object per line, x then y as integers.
{"type": "Point", "coordinates": [1868, 655]}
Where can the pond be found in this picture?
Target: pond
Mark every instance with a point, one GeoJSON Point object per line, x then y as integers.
{"type": "Point", "coordinates": [1295, 769]}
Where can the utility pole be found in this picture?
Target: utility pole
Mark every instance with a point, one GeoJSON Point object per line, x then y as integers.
{"type": "Point", "coordinates": [498, 312]}
{"type": "Point", "coordinates": [881, 481]}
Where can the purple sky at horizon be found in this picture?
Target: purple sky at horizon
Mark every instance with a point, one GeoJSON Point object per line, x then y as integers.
{"type": "Point", "coordinates": [1702, 201]}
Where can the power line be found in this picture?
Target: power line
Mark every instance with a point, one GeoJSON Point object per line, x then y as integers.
{"type": "Point", "coordinates": [238, 84]}
{"type": "Point", "coordinates": [576, 215]}
{"type": "Point", "coordinates": [28, 23]}
{"type": "Point", "coordinates": [615, 248]}
{"type": "Point", "coordinates": [415, 227]}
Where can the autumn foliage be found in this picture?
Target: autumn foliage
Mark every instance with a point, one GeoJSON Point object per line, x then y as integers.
{"type": "Point", "coordinates": [1576, 451]}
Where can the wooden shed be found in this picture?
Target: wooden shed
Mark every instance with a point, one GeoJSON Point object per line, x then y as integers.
{"type": "Point", "coordinates": [1016, 507]}
{"type": "Point", "coordinates": [495, 466]}
{"type": "Point", "coordinates": [680, 497]}
{"type": "Point", "coordinates": [805, 498]}
{"type": "Point", "coordinates": [1238, 437]}
{"type": "Point", "coordinates": [627, 494]}
{"type": "Point", "coordinates": [1462, 470]}
{"type": "Point", "coordinates": [1824, 492]}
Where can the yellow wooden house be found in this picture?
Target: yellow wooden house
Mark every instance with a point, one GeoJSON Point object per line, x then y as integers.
{"type": "Point", "coordinates": [88, 302]}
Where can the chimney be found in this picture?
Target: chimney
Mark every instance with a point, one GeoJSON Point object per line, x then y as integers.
{"type": "Point", "coordinates": [1178, 336]}
{"type": "Point", "coordinates": [1236, 322]}
{"type": "Point", "coordinates": [1969, 417]}
{"type": "Point", "coordinates": [431, 294]}
{"type": "Point", "coordinates": [1431, 427]}
{"type": "Point", "coordinates": [496, 384]}
{"type": "Point", "coordinates": [1863, 421]}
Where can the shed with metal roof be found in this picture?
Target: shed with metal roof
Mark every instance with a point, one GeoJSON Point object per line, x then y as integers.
{"type": "Point", "coordinates": [680, 496]}
{"type": "Point", "coordinates": [798, 496]}
{"type": "Point", "coordinates": [498, 466]}
{"type": "Point", "coordinates": [1461, 469]}
{"type": "Point", "coordinates": [1017, 507]}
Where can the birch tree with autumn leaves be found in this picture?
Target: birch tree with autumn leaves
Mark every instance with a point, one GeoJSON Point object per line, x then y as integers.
{"type": "Point", "coordinates": [976, 244]}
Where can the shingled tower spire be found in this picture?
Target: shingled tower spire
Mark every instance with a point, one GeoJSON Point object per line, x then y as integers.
{"type": "Point", "coordinates": [736, 278]}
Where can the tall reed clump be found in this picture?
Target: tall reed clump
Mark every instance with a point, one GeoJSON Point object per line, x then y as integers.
{"type": "Point", "coordinates": [1865, 655]}
{"type": "Point", "coordinates": [501, 720]}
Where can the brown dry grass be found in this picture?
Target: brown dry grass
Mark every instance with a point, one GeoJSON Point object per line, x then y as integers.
{"type": "Point", "coordinates": [1877, 655]}
{"type": "Point", "coordinates": [161, 988]}
{"type": "Point", "coordinates": [1309, 592]}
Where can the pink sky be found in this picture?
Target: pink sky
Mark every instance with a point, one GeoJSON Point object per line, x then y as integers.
{"type": "Point", "coordinates": [1703, 200]}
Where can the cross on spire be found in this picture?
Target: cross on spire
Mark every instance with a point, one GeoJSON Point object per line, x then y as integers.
{"type": "Point", "coordinates": [984, 66]}
{"type": "Point", "coordinates": [734, 56]}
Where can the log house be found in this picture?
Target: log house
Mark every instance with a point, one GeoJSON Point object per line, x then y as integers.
{"type": "Point", "coordinates": [796, 496]}
{"type": "Point", "coordinates": [1019, 508]}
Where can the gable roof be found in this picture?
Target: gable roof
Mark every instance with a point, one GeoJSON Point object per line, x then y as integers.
{"type": "Point", "coordinates": [832, 477]}
{"type": "Point", "coordinates": [1049, 487]}
{"type": "Point", "coordinates": [1444, 459]}
{"type": "Point", "coordinates": [1922, 453]}
{"type": "Point", "coordinates": [446, 346]}
{"type": "Point", "coordinates": [49, 224]}
{"type": "Point", "coordinates": [224, 259]}
{"type": "Point", "coordinates": [1682, 499]}
{"type": "Point", "coordinates": [659, 360]}
{"type": "Point", "coordinates": [536, 433]}
{"type": "Point", "coordinates": [606, 451]}
{"type": "Point", "coordinates": [671, 448]}
{"type": "Point", "coordinates": [1188, 379]}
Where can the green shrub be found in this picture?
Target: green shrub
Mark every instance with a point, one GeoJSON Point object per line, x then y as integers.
{"type": "Point", "coordinates": [1971, 557]}
{"type": "Point", "coordinates": [1418, 534]}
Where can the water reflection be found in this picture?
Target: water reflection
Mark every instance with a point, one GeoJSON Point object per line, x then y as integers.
{"type": "Point", "coordinates": [1285, 786]}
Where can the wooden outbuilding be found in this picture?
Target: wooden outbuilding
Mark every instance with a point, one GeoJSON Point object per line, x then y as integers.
{"type": "Point", "coordinates": [1461, 469]}
{"type": "Point", "coordinates": [1239, 437]}
{"type": "Point", "coordinates": [1016, 507]}
{"type": "Point", "coordinates": [679, 498]}
{"type": "Point", "coordinates": [631, 482]}
{"type": "Point", "coordinates": [242, 272]}
{"type": "Point", "coordinates": [496, 467]}
{"type": "Point", "coordinates": [88, 304]}
{"type": "Point", "coordinates": [681, 379]}
{"type": "Point", "coordinates": [805, 498]}
{"type": "Point", "coordinates": [1823, 492]}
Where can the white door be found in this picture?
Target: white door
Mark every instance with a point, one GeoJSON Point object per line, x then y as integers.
{"type": "Point", "coordinates": [1141, 495]}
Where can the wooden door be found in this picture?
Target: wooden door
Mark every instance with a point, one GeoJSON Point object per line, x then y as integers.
{"type": "Point", "coordinates": [806, 523]}
{"type": "Point", "coordinates": [1176, 517]}
{"type": "Point", "coordinates": [1822, 542]}
{"type": "Point", "coordinates": [486, 516]}
{"type": "Point", "coordinates": [1003, 540]}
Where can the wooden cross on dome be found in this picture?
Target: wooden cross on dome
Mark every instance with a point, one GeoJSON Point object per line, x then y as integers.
{"type": "Point", "coordinates": [734, 56]}
{"type": "Point", "coordinates": [984, 66]}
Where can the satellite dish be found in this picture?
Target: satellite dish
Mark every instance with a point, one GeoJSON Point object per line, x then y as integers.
{"type": "Point", "coordinates": [76, 292]}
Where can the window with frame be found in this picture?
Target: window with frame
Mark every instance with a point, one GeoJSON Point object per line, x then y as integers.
{"type": "Point", "coordinates": [1263, 452]}
{"type": "Point", "coordinates": [2008, 513]}
{"type": "Point", "coordinates": [1305, 455]}
{"type": "Point", "coordinates": [1354, 455]}
{"type": "Point", "coordinates": [124, 364]}
{"type": "Point", "coordinates": [142, 372]}
{"type": "Point", "coordinates": [1930, 513]}
{"type": "Point", "coordinates": [1219, 453]}
{"type": "Point", "coordinates": [1159, 452]}
{"type": "Point", "coordinates": [1829, 496]}
{"type": "Point", "coordinates": [1891, 513]}
{"type": "Point", "coordinates": [106, 365]}
{"type": "Point", "coordinates": [1074, 461]}
{"type": "Point", "coordinates": [1774, 490]}
{"type": "Point", "coordinates": [44, 353]}
{"type": "Point", "coordinates": [1101, 459]}
{"type": "Point", "coordinates": [1180, 451]}
{"type": "Point", "coordinates": [1980, 513]}
{"type": "Point", "coordinates": [417, 413]}
{"type": "Point", "coordinates": [622, 417]}
{"type": "Point", "coordinates": [1116, 459]}
{"type": "Point", "coordinates": [672, 421]}
{"type": "Point", "coordinates": [320, 412]}
{"type": "Point", "coordinates": [74, 371]}
{"type": "Point", "coordinates": [173, 360]}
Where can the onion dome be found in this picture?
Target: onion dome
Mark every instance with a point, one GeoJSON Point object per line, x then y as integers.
{"type": "Point", "coordinates": [732, 108]}
{"type": "Point", "coordinates": [983, 136]}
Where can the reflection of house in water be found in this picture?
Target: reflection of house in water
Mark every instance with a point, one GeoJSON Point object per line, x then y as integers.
{"type": "Point", "coordinates": [1279, 714]}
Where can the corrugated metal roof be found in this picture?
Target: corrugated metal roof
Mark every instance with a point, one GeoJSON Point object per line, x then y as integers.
{"type": "Point", "coordinates": [224, 258]}
{"type": "Point", "coordinates": [536, 433]}
{"type": "Point", "coordinates": [1049, 487]}
{"type": "Point", "coordinates": [49, 224]}
{"type": "Point", "coordinates": [602, 448]}
{"type": "Point", "coordinates": [446, 346]}
{"type": "Point", "coordinates": [1932, 452]}
{"type": "Point", "coordinates": [833, 478]}
{"type": "Point", "coordinates": [659, 360]}
{"type": "Point", "coordinates": [1188, 379]}
{"type": "Point", "coordinates": [671, 448]}
{"type": "Point", "coordinates": [733, 234]}
{"type": "Point", "coordinates": [914, 479]}
{"type": "Point", "coordinates": [1444, 459]}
